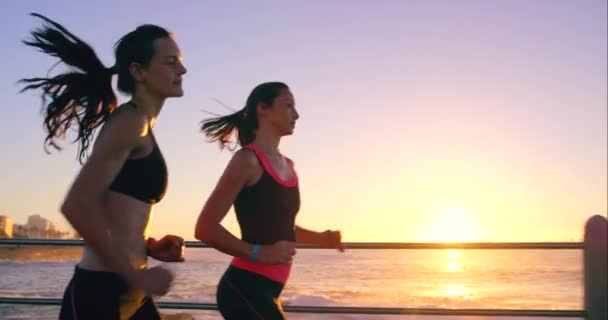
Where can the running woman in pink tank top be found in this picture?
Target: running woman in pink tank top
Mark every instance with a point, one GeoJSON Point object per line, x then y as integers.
{"type": "Point", "coordinates": [262, 184]}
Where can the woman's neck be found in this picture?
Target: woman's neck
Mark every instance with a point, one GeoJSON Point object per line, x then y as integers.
{"type": "Point", "coordinates": [267, 142]}
{"type": "Point", "coordinates": [149, 104]}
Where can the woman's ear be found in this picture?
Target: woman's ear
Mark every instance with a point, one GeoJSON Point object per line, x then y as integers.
{"type": "Point", "coordinates": [137, 72]}
{"type": "Point", "coordinates": [262, 108]}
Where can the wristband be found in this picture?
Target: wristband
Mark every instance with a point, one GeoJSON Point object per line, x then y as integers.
{"type": "Point", "coordinates": [254, 252]}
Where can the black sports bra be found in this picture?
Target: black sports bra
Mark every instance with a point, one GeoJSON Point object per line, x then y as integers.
{"type": "Point", "coordinates": [144, 178]}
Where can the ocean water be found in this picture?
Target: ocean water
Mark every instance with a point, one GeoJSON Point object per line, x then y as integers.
{"type": "Point", "coordinates": [495, 279]}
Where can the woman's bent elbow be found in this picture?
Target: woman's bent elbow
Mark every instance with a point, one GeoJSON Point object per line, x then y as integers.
{"type": "Point", "coordinates": [203, 233]}
{"type": "Point", "coordinates": [68, 209]}
{"type": "Point", "coordinates": [200, 234]}
{"type": "Point", "coordinates": [73, 210]}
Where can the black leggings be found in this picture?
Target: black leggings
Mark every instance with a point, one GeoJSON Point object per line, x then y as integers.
{"type": "Point", "coordinates": [244, 295]}
{"type": "Point", "coordinates": [104, 296]}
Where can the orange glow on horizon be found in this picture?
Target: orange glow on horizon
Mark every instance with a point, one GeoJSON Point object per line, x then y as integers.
{"type": "Point", "coordinates": [453, 224]}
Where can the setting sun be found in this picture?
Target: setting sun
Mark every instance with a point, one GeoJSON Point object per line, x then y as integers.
{"type": "Point", "coordinates": [453, 224]}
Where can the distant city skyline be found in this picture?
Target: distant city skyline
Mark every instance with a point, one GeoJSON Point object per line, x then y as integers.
{"type": "Point", "coordinates": [36, 227]}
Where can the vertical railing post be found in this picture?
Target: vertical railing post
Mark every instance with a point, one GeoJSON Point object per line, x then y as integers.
{"type": "Point", "coordinates": [596, 268]}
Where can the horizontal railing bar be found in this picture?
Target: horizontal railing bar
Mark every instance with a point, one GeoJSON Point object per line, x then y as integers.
{"type": "Point", "coordinates": [345, 310]}
{"type": "Point", "coordinates": [41, 242]}
{"type": "Point", "coordinates": [462, 245]}
{"type": "Point", "coordinates": [352, 245]}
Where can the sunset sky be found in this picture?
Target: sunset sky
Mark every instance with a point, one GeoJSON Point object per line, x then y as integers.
{"type": "Point", "coordinates": [420, 120]}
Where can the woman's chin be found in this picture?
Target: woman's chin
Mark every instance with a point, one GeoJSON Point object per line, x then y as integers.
{"type": "Point", "coordinates": [176, 93]}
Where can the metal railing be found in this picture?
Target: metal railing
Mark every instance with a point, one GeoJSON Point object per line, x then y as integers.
{"type": "Point", "coordinates": [353, 245]}
{"type": "Point", "coordinates": [346, 310]}
{"type": "Point", "coordinates": [595, 255]}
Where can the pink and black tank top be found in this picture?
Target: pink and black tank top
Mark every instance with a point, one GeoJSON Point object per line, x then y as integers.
{"type": "Point", "coordinates": [266, 213]}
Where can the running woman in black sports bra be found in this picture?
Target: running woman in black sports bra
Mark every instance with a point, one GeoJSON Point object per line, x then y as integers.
{"type": "Point", "coordinates": [111, 199]}
{"type": "Point", "coordinates": [262, 184]}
